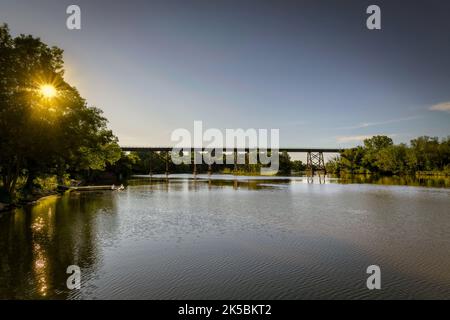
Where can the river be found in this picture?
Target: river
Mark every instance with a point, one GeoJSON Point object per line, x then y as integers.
{"type": "Point", "coordinates": [244, 238]}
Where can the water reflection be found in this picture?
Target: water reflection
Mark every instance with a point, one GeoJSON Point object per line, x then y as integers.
{"type": "Point", "coordinates": [319, 178]}
{"type": "Point", "coordinates": [424, 181]}
{"type": "Point", "coordinates": [236, 182]}
{"type": "Point", "coordinates": [255, 182]}
{"type": "Point", "coordinates": [38, 243]}
{"type": "Point", "coordinates": [232, 238]}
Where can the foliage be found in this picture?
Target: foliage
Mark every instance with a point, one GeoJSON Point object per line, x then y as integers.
{"type": "Point", "coordinates": [42, 135]}
{"type": "Point", "coordinates": [298, 166]}
{"type": "Point", "coordinates": [123, 168]}
{"type": "Point", "coordinates": [285, 164]}
{"type": "Point", "coordinates": [380, 155]}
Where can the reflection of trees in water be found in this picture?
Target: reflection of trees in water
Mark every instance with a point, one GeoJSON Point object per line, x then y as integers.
{"type": "Point", "coordinates": [429, 181]}
{"type": "Point", "coordinates": [38, 243]}
{"type": "Point", "coordinates": [194, 184]}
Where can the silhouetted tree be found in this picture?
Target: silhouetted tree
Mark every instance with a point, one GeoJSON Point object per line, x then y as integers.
{"type": "Point", "coordinates": [42, 135]}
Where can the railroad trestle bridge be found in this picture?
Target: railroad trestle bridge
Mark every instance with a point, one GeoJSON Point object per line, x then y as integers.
{"type": "Point", "coordinates": [314, 156]}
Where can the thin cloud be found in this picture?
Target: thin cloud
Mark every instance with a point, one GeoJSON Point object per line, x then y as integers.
{"type": "Point", "coordinates": [371, 124]}
{"type": "Point", "coordinates": [346, 139]}
{"type": "Point", "coordinates": [444, 106]}
{"type": "Point", "coordinates": [352, 138]}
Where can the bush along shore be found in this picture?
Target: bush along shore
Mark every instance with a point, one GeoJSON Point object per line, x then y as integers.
{"type": "Point", "coordinates": [43, 187]}
{"type": "Point", "coordinates": [379, 155]}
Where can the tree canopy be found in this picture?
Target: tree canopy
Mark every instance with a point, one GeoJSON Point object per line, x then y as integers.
{"type": "Point", "coordinates": [380, 155]}
{"type": "Point", "coordinates": [42, 134]}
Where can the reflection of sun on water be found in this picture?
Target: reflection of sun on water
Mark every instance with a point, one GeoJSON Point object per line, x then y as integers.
{"type": "Point", "coordinates": [42, 228]}
{"type": "Point", "coordinates": [40, 268]}
{"type": "Point", "coordinates": [42, 232]}
{"type": "Point", "coordinates": [38, 225]}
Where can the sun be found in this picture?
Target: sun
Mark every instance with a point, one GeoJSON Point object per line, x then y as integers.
{"type": "Point", "coordinates": [48, 91]}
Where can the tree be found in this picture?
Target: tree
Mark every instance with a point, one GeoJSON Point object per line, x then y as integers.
{"type": "Point", "coordinates": [378, 142]}
{"type": "Point", "coordinates": [380, 155]}
{"type": "Point", "coordinates": [298, 166]}
{"type": "Point", "coordinates": [123, 168]}
{"type": "Point", "coordinates": [426, 153]}
{"type": "Point", "coordinates": [284, 164]}
{"type": "Point", "coordinates": [334, 165]}
{"type": "Point", "coordinates": [351, 159]}
{"type": "Point", "coordinates": [444, 153]}
{"type": "Point", "coordinates": [40, 134]}
{"type": "Point", "coordinates": [372, 147]}
{"type": "Point", "coordinates": [392, 159]}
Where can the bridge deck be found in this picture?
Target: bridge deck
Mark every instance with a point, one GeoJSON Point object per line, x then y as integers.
{"type": "Point", "coordinates": [293, 150]}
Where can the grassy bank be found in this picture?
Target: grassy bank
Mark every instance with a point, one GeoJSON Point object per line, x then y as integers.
{"type": "Point", "coordinates": [433, 174]}
{"type": "Point", "coordinates": [41, 187]}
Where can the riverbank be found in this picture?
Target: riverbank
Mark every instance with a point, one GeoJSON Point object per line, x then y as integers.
{"type": "Point", "coordinates": [30, 200]}
{"type": "Point", "coordinates": [432, 174]}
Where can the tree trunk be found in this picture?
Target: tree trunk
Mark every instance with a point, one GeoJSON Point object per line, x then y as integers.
{"type": "Point", "coordinates": [29, 183]}
{"type": "Point", "coordinates": [60, 174]}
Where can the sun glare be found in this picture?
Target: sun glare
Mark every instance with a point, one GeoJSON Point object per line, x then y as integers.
{"type": "Point", "coordinates": [48, 91]}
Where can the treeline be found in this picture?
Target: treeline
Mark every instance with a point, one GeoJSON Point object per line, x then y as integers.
{"type": "Point", "coordinates": [379, 155]}
{"type": "Point", "coordinates": [46, 136]}
{"type": "Point", "coordinates": [146, 162]}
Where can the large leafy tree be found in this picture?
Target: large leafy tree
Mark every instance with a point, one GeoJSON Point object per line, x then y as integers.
{"type": "Point", "coordinates": [39, 134]}
{"type": "Point", "coordinates": [380, 155]}
{"type": "Point", "coordinates": [372, 148]}
{"type": "Point", "coordinates": [426, 153]}
{"type": "Point", "coordinates": [392, 159]}
{"type": "Point", "coordinates": [351, 159]}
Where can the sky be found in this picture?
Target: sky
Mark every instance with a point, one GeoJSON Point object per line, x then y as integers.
{"type": "Point", "coordinates": [311, 69]}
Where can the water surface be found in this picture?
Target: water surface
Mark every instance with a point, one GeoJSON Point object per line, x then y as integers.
{"type": "Point", "coordinates": [245, 238]}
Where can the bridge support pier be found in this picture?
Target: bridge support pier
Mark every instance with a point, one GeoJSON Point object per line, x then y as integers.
{"type": "Point", "coordinates": [167, 164]}
{"type": "Point", "coordinates": [194, 162]}
{"type": "Point", "coordinates": [315, 162]}
{"type": "Point", "coordinates": [150, 164]}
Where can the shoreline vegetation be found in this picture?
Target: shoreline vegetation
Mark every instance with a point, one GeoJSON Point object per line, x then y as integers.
{"type": "Point", "coordinates": [423, 179]}
{"type": "Point", "coordinates": [52, 139]}
{"type": "Point", "coordinates": [433, 174]}
{"type": "Point", "coordinates": [424, 156]}
{"type": "Point", "coordinates": [50, 135]}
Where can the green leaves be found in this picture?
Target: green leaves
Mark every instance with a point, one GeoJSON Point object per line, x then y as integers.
{"type": "Point", "coordinates": [380, 155]}
{"type": "Point", "coordinates": [45, 135]}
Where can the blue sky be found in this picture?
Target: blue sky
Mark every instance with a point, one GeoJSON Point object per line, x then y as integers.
{"type": "Point", "coordinates": [308, 68]}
